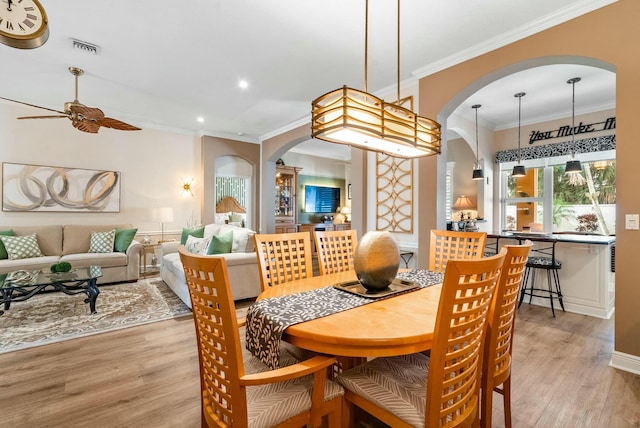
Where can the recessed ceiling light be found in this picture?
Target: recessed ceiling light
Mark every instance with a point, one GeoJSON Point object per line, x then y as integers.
{"type": "Point", "coordinates": [243, 84]}
{"type": "Point", "coordinates": [200, 119]}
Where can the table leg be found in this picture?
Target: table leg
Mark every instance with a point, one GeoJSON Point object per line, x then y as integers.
{"type": "Point", "coordinates": [6, 298]}
{"type": "Point", "coordinates": [92, 295]}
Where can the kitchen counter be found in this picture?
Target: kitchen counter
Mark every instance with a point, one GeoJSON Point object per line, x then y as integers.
{"type": "Point", "coordinates": [587, 276]}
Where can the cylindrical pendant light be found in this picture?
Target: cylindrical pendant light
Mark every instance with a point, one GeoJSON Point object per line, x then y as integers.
{"type": "Point", "coordinates": [478, 173]}
{"type": "Point", "coordinates": [519, 170]}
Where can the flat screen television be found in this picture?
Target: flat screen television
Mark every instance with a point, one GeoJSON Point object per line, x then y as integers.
{"type": "Point", "coordinates": [319, 199]}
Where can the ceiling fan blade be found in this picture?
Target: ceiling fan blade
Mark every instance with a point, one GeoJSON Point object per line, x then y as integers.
{"type": "Point", "coordinates": [109, 122]}
{"type": "Point", "coordinates": [32, 105]}
{"type": "Point", "coordinates": [43, 117]}
{"type": "Point", "coordinates": [86, 126]}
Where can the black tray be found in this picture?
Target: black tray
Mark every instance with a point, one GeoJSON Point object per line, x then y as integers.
{"type": "Point", "coordinates": [396, 287]}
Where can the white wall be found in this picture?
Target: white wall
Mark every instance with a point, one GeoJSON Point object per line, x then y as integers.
{"type": "Point", "coordinates": [151, 164]}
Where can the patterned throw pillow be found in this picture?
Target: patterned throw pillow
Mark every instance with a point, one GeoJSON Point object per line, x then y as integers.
{"type": "Point", "coordinates": [21, 247]}
{"type": "Point", "coordinates": [197, 245]}
{"type": "Point", "coordinates": [102, 242]}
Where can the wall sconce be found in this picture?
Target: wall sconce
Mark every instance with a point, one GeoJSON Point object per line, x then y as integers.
{"type": "Point", "coordinates": [186, 187]}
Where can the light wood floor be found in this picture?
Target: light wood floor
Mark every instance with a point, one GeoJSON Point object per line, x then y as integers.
{"type": "Point", "coordinates": [147, 376]}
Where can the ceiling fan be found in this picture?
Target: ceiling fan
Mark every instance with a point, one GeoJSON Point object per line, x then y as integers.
{"type": "Point", "coordinates": [83, 118]}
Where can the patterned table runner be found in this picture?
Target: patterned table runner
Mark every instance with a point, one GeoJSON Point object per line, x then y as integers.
{"type": "Point", "coordinates": [267, 319]}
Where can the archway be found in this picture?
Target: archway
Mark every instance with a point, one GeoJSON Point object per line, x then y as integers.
{"type": "Point", "coordinates": [487, 203]}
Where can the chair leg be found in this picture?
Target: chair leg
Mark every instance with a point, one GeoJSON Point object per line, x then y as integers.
{"type": "Point", "coordinates": [556, 276]}
{"type": "Point", "coordinates": [334, 418]}
{"type": "Point", "coordinates": [348, 416]}
{"type": "Point", "coordinates": [533, 284]}
{"type": "Point", "coordinates": [524, 285]}
{"type": "Point", "coordinates": [550, 292]}
{"type": "Point", "coordinates": [486, 405]}
{"type": "Point", "coordinates": [506, 399]}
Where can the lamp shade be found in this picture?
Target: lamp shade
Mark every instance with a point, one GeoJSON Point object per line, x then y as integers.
{"type": "Point", "coordinates": [573, 166]}
{"type": "Point", "coordinates": [463, 203]}
{"type": "Point", "coordinates": [163, 215]}
{"type": "Point", "coordinates": [519, 171]}
{"type": "Point", "coordinates": [478, 174]}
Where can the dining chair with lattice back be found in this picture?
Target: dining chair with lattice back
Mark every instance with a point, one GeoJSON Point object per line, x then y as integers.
{"type": "Point", "coordinates": [496, 363]}
{"type": "Point", "coordinates": [283, 257]}
{"type": "Point", "coordinates": [395, 389]}
{"type": "Point", "coordinates": [335, 250]}
{"type": "Point", "coordinates": [290, 396]}
{"type": "Point", "coordinates": [448, 244]}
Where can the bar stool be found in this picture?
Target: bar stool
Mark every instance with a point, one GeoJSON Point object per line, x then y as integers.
{"type": "Point", "coordinates": [543, 258]}
{"type": "Point", "coordinates": [492, 248]}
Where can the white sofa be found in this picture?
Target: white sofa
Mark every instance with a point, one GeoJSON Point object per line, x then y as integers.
{"type": "Point", "coordinates": [70, 243]}
{"type": "Point", "coordinates": [242, 264]}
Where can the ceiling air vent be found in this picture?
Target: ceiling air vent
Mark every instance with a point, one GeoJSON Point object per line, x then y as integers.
{"type": "Point", "coordinates": [85, 47]}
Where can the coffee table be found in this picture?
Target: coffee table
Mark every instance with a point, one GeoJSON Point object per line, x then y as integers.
{"type": "Point", "coordinates": [22, 285]}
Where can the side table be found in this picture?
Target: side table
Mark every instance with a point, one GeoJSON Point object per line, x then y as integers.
{"type": "Point", "coordinates": [406, 257]}
{"type": "Point", "coordinates": [145, 269]}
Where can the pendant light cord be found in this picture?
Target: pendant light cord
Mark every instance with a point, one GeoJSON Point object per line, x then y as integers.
{"type": "Point", "coordinates": [398, 61]}
{"type": "Point", "coordinates": [366, 42]}
{"type": "Point", "coordinates": [573, 82]}
{"type": "Point", "coordinates": [519, 116]}
{"type": "Point", "coordinates": [476, 107]}
{"type": "Point", "coordinates": [477, 135]}
{"type": "Point", "coordinates": [519, 95]}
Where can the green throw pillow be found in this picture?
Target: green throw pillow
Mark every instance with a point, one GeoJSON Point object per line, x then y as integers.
{"type": "Point", "coordinates": [123, 239]}
{"type": "Point", "coordinates": [102, 242]}
{"type": "Point", "coordinates": [3, 251]}
{"type": "Point", "coordinates": [197, 232]}
{"type": "Point", "coordinates": [221, 244]}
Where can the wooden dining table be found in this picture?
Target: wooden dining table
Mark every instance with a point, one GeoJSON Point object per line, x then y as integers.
{"type": "Point", "coordinates": [397, 325]}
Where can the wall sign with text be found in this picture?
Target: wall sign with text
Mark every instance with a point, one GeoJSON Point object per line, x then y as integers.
{"type": "Point", "coordinates": [566, 131]}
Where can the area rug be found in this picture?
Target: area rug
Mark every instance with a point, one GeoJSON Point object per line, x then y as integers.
{"type": "Point", "coordinates": [53, 317]}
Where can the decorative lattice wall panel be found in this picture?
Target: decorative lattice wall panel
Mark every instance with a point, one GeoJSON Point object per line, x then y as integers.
{"type": "Point", "coordinates": [394, 194]}
{"type": "Point", "coordinates": [232, 186]}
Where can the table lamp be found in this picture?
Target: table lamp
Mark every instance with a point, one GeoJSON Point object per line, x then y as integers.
{"type": "Point", "coordinates": [463, 203]}
{"type": "Point", "coordinates": [346, 212]}
{"type": "Point", "coordinates": [163, 215]}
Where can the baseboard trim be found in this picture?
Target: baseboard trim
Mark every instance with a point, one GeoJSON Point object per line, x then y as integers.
{"type": "Point", "coordinates": [627, 362]}
{"type": "Point", "coordinates": [573, 307]}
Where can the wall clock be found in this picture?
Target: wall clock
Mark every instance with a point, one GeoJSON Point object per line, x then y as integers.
{"type": "Point", "coordinates": [23, 24]}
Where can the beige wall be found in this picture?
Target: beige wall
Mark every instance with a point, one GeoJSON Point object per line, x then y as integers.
{"type": "Point", "coordinates": [151, 172]}
{"type": "Point", "coordinates": [606, 37]}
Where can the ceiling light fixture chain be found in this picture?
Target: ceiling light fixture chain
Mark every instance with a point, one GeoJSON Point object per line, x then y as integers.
{"type": "Point", "coordinates": [478, 173]}
{"type": "Point", "coordinates": [519, 170]}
